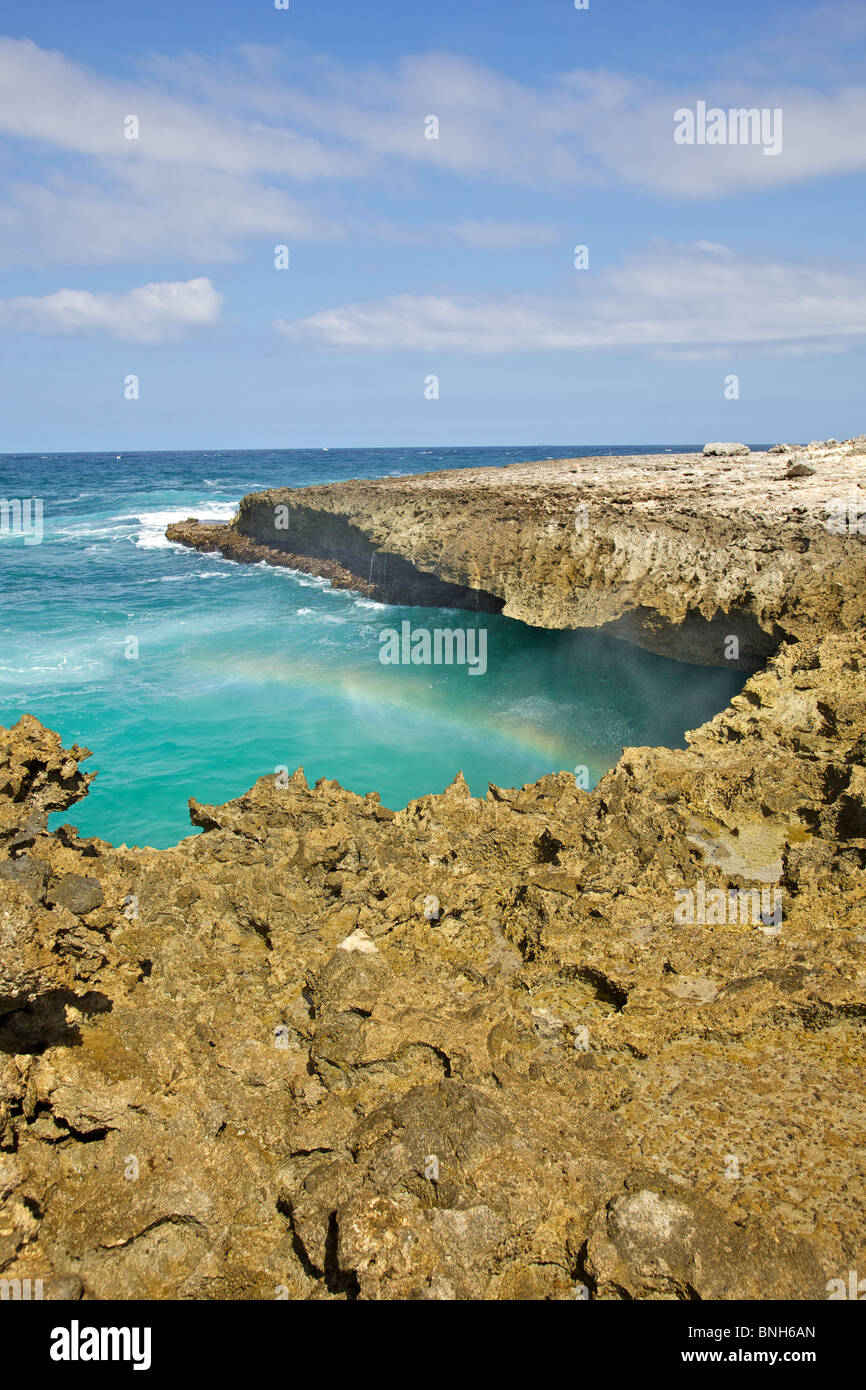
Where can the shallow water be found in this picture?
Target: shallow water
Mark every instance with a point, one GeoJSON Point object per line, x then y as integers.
{"type": "Point", "coordinates": [244, 669]}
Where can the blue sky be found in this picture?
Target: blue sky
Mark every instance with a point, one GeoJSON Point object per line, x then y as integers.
{"type": "Point", "coordinates": [411, 257]}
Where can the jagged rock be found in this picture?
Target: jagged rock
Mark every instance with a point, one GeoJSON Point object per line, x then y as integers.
{"type": "Point", "coordinates": [77, 894]}
{"type": "Point", "coordinates": [560, 1087]}
{"type": "Point", "coordinates": [660, 1244]}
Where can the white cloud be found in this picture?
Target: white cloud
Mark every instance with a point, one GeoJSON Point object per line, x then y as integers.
{"type": "Point", "coordinates": [149, 314]}
{"type": "Point", "coordinates": [696, 298]}
{"type": "Point", "coordinates": [200, 179]}
{"type": "Point", "coordinates": [822, 136]}
{"type": "Point", "coordinates": [46, 97]}
{"type": "Point", "coordinates": [148, 212]}
{"type": "Point", "coordinates": [585, 127]}
{"type": "Point", "coordinates": [820, 40]}
{"type": "Point", "coordinates": [230, 146]}
{"type": "Point", "coordinates": [501, 236]}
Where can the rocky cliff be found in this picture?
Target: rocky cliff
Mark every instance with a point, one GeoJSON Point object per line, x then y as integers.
{"type": "Point", "coordinates": [474, 1049]}
{"type": "Point", "coordinates": [676, 553]}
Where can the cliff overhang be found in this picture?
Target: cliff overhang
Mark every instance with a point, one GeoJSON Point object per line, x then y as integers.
{"type": "Point", "coordinates": [678, 554]}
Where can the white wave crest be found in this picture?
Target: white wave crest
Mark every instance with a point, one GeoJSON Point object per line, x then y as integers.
{"type": "Point", "coordinates": [152, 535]}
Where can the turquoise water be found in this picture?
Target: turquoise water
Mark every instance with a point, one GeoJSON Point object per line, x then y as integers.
{"type": "Point", "coordinates": [244, 669]}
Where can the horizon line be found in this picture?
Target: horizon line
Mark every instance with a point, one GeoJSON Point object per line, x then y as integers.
{"type": "Point", "coordinates": [349, 448]}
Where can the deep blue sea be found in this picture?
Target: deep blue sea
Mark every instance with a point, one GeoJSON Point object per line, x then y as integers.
{"type": "Point", "coordinates": [242, 669]}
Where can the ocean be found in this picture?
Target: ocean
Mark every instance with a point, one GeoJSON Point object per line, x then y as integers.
{"type": "Point", "coordinates": [189, 675]}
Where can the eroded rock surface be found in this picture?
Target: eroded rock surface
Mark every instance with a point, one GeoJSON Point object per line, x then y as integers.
{"type": "Point", "coordinates": [258, 1064]}
{"type": "Point", "coordinates": [676, 553]}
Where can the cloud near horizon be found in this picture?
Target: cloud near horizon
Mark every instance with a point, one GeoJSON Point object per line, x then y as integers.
{"type": "Point", "coordinates": [697, 298]}
{"type": "Point", "coordinates": [150, 314]}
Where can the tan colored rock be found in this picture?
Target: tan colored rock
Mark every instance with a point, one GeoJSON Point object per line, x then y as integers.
{"type": "Point", "coordinates": [725, 450]}
{"type": "Point", "coordinates": [556, 1086]}
{"type": "Point", "coordinates": [677, 553]}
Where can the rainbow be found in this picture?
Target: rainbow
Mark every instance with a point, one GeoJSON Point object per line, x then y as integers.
{"type": "Point", "coordinates": [382, 690]}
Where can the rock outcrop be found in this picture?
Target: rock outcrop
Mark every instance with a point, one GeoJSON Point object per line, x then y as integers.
{"type": "Point", "coordinates": [260, 1064]}
{"type": "Point", "coordinates": [676, 553]}
{"type": "Point", "coordinates": [725, 450]}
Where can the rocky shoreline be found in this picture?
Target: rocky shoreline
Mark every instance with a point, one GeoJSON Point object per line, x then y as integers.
{"type": "Point", "coordinates": [676, 553]}
{"type": "Point", "coordinates": [261, 1065]}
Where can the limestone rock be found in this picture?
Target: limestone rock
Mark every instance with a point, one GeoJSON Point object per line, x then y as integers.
{"type": "Point", "coordinates": [561, 1086]}
{"type": "Point", "coordinates": [77, 894]}
{"type": "Point", "coordinates": [725, 450]}
{"type": "Point", "coordinates": [653, 1243]}
{"type": "Point", "coordinates": [679, 552]}
{"type": "Point", "coordinates": [360, 941]}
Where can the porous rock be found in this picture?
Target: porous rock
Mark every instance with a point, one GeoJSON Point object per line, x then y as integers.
{"type": "Point", "coordinates": [567, 1088]}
